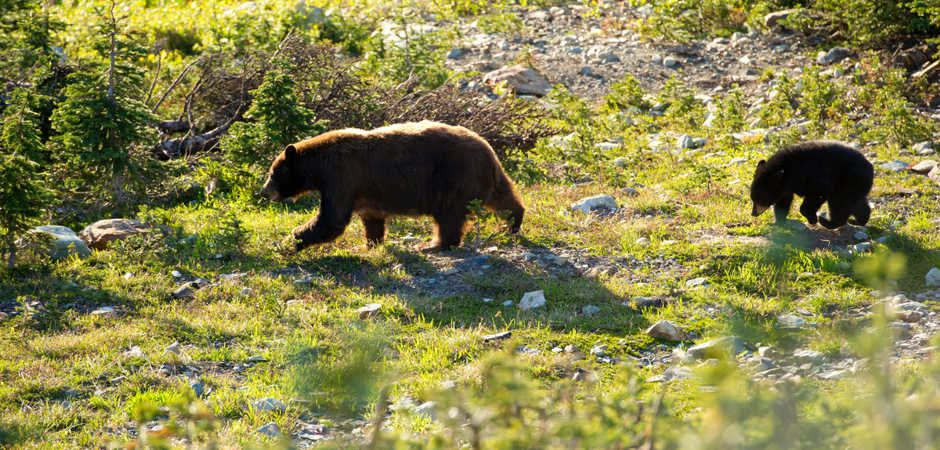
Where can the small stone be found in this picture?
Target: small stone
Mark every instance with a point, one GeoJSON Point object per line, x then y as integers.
{"type": "Point", "coordinates": [665, 329]}
{"type": "Point", "coordinates": [532, 300]}
{"type": "Point", "coordinates": [657, 59]}
{"type": "Point", "coordinates": [134, 352]}
{"type": "Point", "coordinates": [599, 350]}
{"type": "Point", "coordinates": [497, 336]}
{"type": "Point", "coordinates": [595, 203]}
{"type": "Point", "coordinates": [717, 348]}
{"type": "Point", "coordinates": [507, 303]}
{"type": "Point", "coordinates": [670, 62]}
{"type": "Point", "coordinates": [933, 277]}
{"type": "Point", "coordinates": [173, 348]}
{"type": "Point", "coordinates": [863, 247]}
{"type": "Point", "coordinates": [894, 166]}
{"type": "Point", "coordinates": [103, 310]}
{"type": "Point", "coordinates": [790, 322]}
{"type": "Point", "coordinates": [426, 409]}
{"type": "Point", "coordinates": [590, 310]}
{"type": "Point", "coordinates": [198, 388]}
{"type": "Point", "coordinates": [487, 300]}
{"type": "Point", "coordinates": [184, 291]}
{"type": "Point", "coordinates": [269, 429]}
{"type": "Point", "coordinates": [833, 374]}
{"type": "Point", "coordinates": [557, 349]}
{"type": "Point", "coordinates": [256, 359]}
{"type": "Point", "coordinates": [456, 53]}
{"type": "Point", "coordinates": [833, 56]}
{"type": "Point", "coordinates": [368, 310]}
{"type": "Point", "coordinates": [176, 274]}
{"type": "Point", "coordinates": [934, 174]}
{"type": "Point", "coordinates": [643, 241]}
{"type": "Point", "coordinates": [605, 146]}
{"type": "Point", "coordinates": [696, 282]}
{"type": "Point", "coordinates": [519, 79]}
{"type": "Point", "coordinates": [269, 404]}
{"type": "Point", "coordinates": [128, 275]}
{"type": "Point", "coordinates": [648, 302]}
{"type": "Point", "coordinates": [685, 141]}
{"type": "Point", "coordinates": [246, 291]}
{"type": "Point", "coordinates": [804, 356]}
{"type": "Point", "coordinates": [923, 148]}
{"type": "Point", "coordinates": [699, 142]}
{"type": "Point", "coordinates": [861, 236]}
{"type": "Point", "coordinates": [622, 162]}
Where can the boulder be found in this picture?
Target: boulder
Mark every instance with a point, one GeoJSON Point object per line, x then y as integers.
{"type": "Point", "coordinates": [595, 203]}
{"type": "Point", "coordinates": [933, 277]}
{"type": "Point", "coordinates": [772, 20]}
{"type": "Point", "coordinates": [519, 79]}
{"type": "Point", "coordinates": [717, 348]}
{"type": "Point", "coordinates": [98, 234]}
{"type": "Point", "coordinates": [532, 300]}
{"type": "Point", "coordinates": [833, 56]}
{"type": "Point", "coordinates": [665, 329]}
{"type": "Point", "coordinates": [64, 242]}
{"type": "Point", "coordinates": [924, 166]}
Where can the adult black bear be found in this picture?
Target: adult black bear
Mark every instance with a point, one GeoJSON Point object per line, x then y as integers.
{"type": "Point", "coordinates": [421, 168]}
{"type": "Point", "coordinates": [819, 171]}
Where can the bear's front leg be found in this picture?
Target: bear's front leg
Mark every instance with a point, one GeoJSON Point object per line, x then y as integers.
{"type": "Point", "coordinates": [810, 207]}
{"type": "Point", "coordinates": [782, 208]}
{"type": "Point", "coordinates": [330, 223]}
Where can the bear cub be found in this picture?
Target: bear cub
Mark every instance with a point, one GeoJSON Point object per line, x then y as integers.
{"type": "Point", "coordinates": [418, 168]}
{"type": "Point", "coordinates": [819, 171]}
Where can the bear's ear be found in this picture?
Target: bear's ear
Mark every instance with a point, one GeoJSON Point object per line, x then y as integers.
{"type": "Point", "coordinates": [761, 163]}
{"type": "Point", "coordinates": [290, 152]}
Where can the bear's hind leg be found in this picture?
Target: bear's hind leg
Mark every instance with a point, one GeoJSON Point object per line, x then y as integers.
{"type": "Point", "coordinates": [810, 207]}
{"type": "Point", "coordinates": [375, 230]}
{"type": "Point", "coordinates": [861, 213]}
{"type": "Point", "coordinates": [839, 210]}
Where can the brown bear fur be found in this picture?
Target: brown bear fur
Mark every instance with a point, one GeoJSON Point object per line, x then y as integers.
{"type": "Point", "coordinates": [422, 168]}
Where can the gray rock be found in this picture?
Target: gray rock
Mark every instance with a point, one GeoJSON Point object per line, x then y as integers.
{"type": "Point", "coordinates": [860, 236]}
{"type": "Point", "coordinates": [657, 59]}
{"type": "Point", "coordinates": [134, 352]}
{"type": "Point", "coordinates": [696, 282]}
{"type": "Point", "coordinates": [670, 62]}
{"type": "Point", "coordinates": [834, 374]}
{"type": "Point", "coordinates": [699, 142]}
{"type": "Point", "coordinates": [507, 303]}
{"type": "Point", "coordinates": [173, 348]}
{"type": "Point", "coordinates": [595, 203]}
{"type": "Point", "coordinates": [862, 247]}
{"type": "Point", "coordinates": [933, 277]}
{"type": "Point", "coordinates": [685, 141]}
{"type": "Point", "coordinates": [426, 409]}
{"type": "Point", "coordinates": [269, 429]}
{"type": "Point", "coordinates": [184, 291]}
{"type": "Point", "coordinates": [599, 350]}
{"type": "Point", "coordinates": [269, 404]}
{"type": "Point", "coordinates": [586, 71]}
{"type": "Point", "coordinates": [456, 53]}
{"type": "Point", "coordinates": [198, 388]}
{"type": "Point", "coordinates": [532, 300]}
{"type": "Point", "coordinates": [894, 166]}
{"type": "Point", "coordinates": [672, 373]}
{"type": "Point", "coordinates": [806, 355]}
{"type": "Point", "coordinates": [718, 348]}
{"type": "Point", "coordinates": [100, 233]}
{"type": "Point", "coordinates": [103, 310]}
{"type": "Point", "coordinates": [934, 174]}
{"type": "Point", "coordinates": [590, 310]}
{"type": "Point", "coordinates": [643, 241]}
{"type": "Point", "coordinates": [64, 242]}
{"type": "Point", "coordinates": [622, 162]}
{"type": "Point", "coordinates": [519, 79]}
{"type": "Point", "coordinates": [833, 56]}
{"type": "Point", "coordinates": [607, 146]}
{"type": "Point", "coordinates": [665, 329]}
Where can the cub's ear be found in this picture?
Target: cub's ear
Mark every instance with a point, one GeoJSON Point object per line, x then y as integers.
{"type": "Point", "coordinates": [290, 152]}
{"type": "Point", "coordinates": [761, 163]}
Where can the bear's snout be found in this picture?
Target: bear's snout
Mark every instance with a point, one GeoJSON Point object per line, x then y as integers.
{"type": "Point", "coordinates": [758, 210]}
{"type": "Point", "coordinates": [270, 194]}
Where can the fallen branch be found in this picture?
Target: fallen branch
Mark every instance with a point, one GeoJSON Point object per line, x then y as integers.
{"type": "Point", "coordinates": [175, 83]}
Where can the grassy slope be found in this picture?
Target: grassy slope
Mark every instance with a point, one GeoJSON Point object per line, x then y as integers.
{"type": "Point", "coordinates": [67, 379]}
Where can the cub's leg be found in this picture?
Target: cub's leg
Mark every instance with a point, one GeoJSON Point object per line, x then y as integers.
{"type": "Point", "coordinates": [861, 213]}
{"type": "Point", "coordinates": [782, 208]}
{"type": "Point", "coordinates": [839, 210]}
{"type": "Point", "coordinates": [810, 207]}
{"type": "Point", "coordinates": [375, 229]}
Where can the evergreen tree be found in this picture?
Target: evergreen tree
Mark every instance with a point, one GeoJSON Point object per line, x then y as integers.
{"type": "Point", "coordinates": [102, 117]}
{"type": "Point", "coordinates": [25, 37]}
{"type": "Point", "coordinates": [277, 119]}
{"type": "Point", "coordinates": [23, 194]}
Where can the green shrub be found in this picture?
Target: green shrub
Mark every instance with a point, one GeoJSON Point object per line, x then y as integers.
{"type": "Point", "coordinates": [23, 194]}
{"type": "Point", "coordinates": [277, 119]}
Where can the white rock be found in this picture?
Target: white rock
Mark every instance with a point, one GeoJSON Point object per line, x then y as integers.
{"type": "Point", "coordinates": [507, 303]}
{"type": "Point", "coordinates": [64, 242]}
{"type": "Point", "coordinates": [605, 146]}
{"type": "Point", "coordinates": [102, 310]}
{"type": "Point", "coordinates": [670, 61]}
{"type": "Point", "coordinates": [368, 310]}
{"type": "Point", "coordinates": [685, 141]}
{"type": "Point", "coordinates": [933, 277]}
{"type": "Point", "coordinates": [696, 282]}
{"type": "Point", "coordinates": [426, 409]}
{"type": "Point", "coordinates": [790, 322]}
{"type": "Point", "coordinates": [643, 241]}
{"type": "Point", "coordinates": [531, 300]}
{"type": "Point", "coordinates": [924, 166]}
{"type": "Point", "coordinates": [595, 203]}
{"type": "Point", "coordinates": [923, 148]}
{"type": "Point", "coordinates": [521, 80]}
{"type": "Point", "coordinates": [833, 56]}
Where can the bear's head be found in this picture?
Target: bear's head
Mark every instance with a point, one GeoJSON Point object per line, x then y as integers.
{"type": "Point", "coordinates": [766, 188]}
{"type": "Point", "coordinates": [285, 178]}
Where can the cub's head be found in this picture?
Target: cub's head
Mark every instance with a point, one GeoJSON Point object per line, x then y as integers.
{"type": "Point", "coordinates": [766, 188]}
{"type": "Point", "coordinates": [285, 178]}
